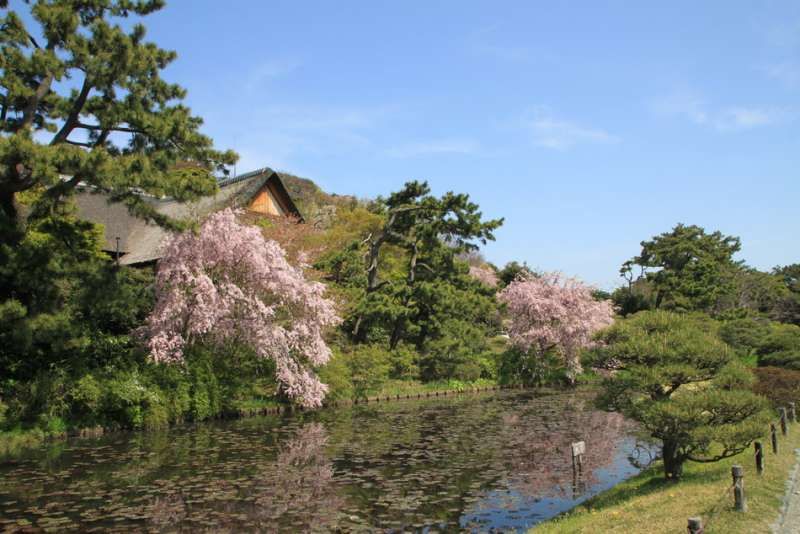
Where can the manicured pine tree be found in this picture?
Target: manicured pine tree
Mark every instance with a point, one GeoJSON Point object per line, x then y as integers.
{"type": "Point", "coordinates": [684, 385]}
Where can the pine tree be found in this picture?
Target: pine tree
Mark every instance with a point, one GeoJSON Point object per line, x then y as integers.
{"type": "Point", "coordinates": [83, 102]}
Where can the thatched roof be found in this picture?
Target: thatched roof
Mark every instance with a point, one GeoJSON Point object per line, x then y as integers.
{"type": "Point", "coordinates": [141, 242]}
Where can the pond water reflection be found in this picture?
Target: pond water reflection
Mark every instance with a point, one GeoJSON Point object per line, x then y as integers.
{"type": "Point", "coordinates": [475, 462]}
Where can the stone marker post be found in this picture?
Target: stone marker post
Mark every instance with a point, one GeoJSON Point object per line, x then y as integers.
{"type": "Point", "coordinates": [759, 457]}
{"type": "Point", "coordinates": [695, 525]}
{"type": "Point", "coordinates": [782, 411]}
{"type": "Point", "coordinates": [773, 433]}
{"type": "Point", "coordinates": [740, 504]}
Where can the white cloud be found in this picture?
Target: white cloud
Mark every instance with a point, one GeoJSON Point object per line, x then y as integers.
{"type": "Point", "coordinates": [441, 146]}
{"type": "Point", "coordinates": [690, 106]}
{"type": "Point", "coordinates": [559, 134]}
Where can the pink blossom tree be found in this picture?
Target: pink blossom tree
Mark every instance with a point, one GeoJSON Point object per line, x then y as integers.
{"type": "Point", "coordinates": [551, 312]}
{"type": "Point", "coordinates": [227, 283]}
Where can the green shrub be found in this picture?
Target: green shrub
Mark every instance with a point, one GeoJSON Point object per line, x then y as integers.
{"type": "Point", "coordinates": [3, 410]}
{"type": "Point", "coordinates": [44, 396]}
{"type": "Point", "coordinates": [783, 337]}
{"type": "Point", "coordinates": [468, 371]}
{"type": "Point", "coordinates": [85, 397]}
{"type": "Point", "coordinates": [521, 368]}
{"type": "Point", "coordinates": [336, 375]}
{"type": "Point", "coordinates": [130, 401]}
{"type": "Point", "coordinates": [403, 363]}
{"type": "Point", "coordinates": [204, 391]}
{"type": "Point", "coordinates": [173, 381]}
{"type": "Point", "coordinates": [780, 386]}
{"type": "Point", "coordinates": [456, 352]}
{"type": "Point", "coordinates": [155, 414]}
{"type": "Point", "coordinates": [790, 359]}
{"type": "Point", "coordinates": [745, 334]}
{"type": "Point", "coordinates": [52, 425]}
{"type": "Point", "coordinates": [369, 369]}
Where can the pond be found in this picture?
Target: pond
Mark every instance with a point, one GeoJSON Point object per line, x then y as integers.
{"type": "Point", "coordinates": [475, 462]}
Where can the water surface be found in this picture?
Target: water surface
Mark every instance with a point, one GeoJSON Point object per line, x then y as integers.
{"type": "Point", "coordinates": [480, 462]}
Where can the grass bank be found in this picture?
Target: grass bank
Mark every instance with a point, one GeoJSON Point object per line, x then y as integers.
{"type": "Point", "coordinates": [649, 504]}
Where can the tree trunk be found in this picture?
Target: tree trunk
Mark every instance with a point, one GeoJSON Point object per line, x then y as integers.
{"type": "Point", "coordinates": [673, 462]}
{"type": "Point", "coordinates": [7, 207]}
{"type": "Point", "coordinates": [397, 331]}
{"type": "Point", "coordinates": [372, 272]}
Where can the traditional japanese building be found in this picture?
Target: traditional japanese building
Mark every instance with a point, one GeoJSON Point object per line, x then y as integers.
{"type": "Point", "coordinates": [137, 242]}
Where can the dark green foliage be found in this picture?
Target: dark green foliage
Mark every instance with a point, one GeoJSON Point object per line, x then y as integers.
{"type": "Point", "coordinates": [780, 347]}
{"type": "Point", "coordinates": [458, 351]}
{"type": "Point", "coordinates": [780, 386]}
{"type": "Point", "coordinates": [83, 103]}
{"type": "Point", "coordinates": [369, 369]}
{"type": "Point", "coordinates": [520, 368]}
{"type": "Point", "coordinates": [788, 309]}
{"type": "Point", "coordinates": [687, 268]}
{"type": "Point", "coordinates": [637, 296]}
{"type": "Point", "coordinates": [755, 291]}
{"type": "Point", "coordinates": [788, 359]}
{"type": "Point", "coordinates": [336, 375]}
{"type": "Point", "coordinates": [659, 354]}
{"type": "Point", "coordinates": [746, 334]}
{"type": "Point", "coordinates": [115, 125]}
{"type": "Point", "coordinates": [144, 395]}
{"type": "Point", "coordinates": [403, 363]}
{"type": "Point", "coordinates": [357, 373]}
{"type": "Point", "coordinates": [415, 287]}
{"type": "Point", "coordinates": [782, 337]}
{"type": "Point", "coordinates": [512, 271]}
{"type": "Point", "coordinates": [65, 304]}
{"type": "Point", "coordinates": [344, 267]}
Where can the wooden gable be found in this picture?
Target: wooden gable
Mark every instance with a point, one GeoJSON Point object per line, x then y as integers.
{"type": "Point", "coordinates": [266, 202]}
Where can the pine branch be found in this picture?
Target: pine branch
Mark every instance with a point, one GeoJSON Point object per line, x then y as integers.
{"type": "Point", "coordinates": [78, 143]}
{"type": "Point", "coordinates": [74, 114]}
{"type": "Point", "coordinates": [29, 113]}
{"type": "Point", "coordinates": [97, 127]}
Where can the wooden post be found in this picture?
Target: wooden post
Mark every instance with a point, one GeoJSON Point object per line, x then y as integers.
{"type": "Point", "coordinates": [782, 411]}
{"type": "Point", "coordinates": [578, 450]}
{"type": "Point", "coordinates": [740, 504]}
{"type": "Point", "coordinates": [759, 457]}
{"type": "Point", "coordinates": [695, 525]}
{"type": "Point", "coordinates": [774, 435]}
{"type": "Point", "coordinates": [792, 412]}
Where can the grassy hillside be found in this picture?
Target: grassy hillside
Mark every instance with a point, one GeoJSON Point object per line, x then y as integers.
{"type": "Point", "coordinates": [317, 206]}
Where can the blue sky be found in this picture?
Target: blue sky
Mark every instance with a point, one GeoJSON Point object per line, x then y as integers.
{"type": "Point", "coordinates": [589, 126]}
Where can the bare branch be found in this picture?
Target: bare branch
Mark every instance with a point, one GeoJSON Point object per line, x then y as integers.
{"type": "Point", "coordinates": [75, 112]}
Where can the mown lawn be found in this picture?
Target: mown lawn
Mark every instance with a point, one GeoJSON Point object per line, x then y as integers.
{"type": "Point", "coordinates": [649, 504]}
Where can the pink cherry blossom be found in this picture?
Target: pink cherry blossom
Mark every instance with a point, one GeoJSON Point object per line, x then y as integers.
{"type": "Point", "coordinates": [553, 312]}
{"type": "Point", "coordinates": [228, 283]}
